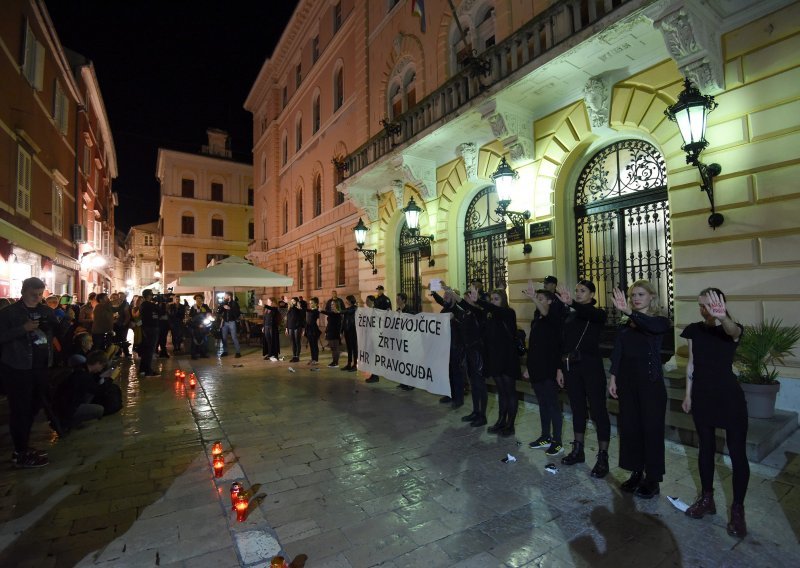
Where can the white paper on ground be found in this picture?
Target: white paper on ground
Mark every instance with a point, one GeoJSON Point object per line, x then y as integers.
{"type": "Point", "coordinates": [678, 504]}
{"type": "Point", "coordinates": [510, 458]}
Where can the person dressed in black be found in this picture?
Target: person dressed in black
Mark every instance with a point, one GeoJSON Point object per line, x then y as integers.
{"type": "Point", "coordinates": [150, 334]}
{"type": "Point", "coordinates": [199, 324]}
{"type": "Point", "coordinates": [582, 370]}
{"type": "Point", "coordinates": [333, 332]}
{"type": "Point", "coordinates": [502, 360]}
{"type": "Point", "coordinates": [715, 399]}
{"type": "Point", "coordinates": [312, 329]}
{"type": "Point", "coordinates": [471, 329]}
{"type": "Point", "coordinates": [450, 305]}
{"type": "Point", "coordinates": [163, 327]}
{"type": "Point", "coordinates": [272, 338]}
{"type": "Point", "coordinates": [544, 355]}
{"type": "Point", "coordinates": [349, 330]}
{"type": "Point", "coordinates": [295, 319]}
{"type": "Point", "coordinates": [75, 396]}
{"type": "Point", "coordinates": [382, 301]}
{"type": "Point", "coordinates": [176, 311]}
{"type": "Point", "coordinates": [637, 380]}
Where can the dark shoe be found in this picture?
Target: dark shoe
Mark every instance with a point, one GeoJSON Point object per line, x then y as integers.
{"type": "Point", "coordinates": [372, 379]}
{"type": "Point", "coordinates": [647, 489]}
{"type": "Point", "coordinates": [353, 369]}
{"type": "Point", "coordinates": [632, 483]}
{"type": "Point", "coordinates": [445, 400]}
{"type": "Point", "coordinates": [294, 360]}
{"type": "Point", "coordinates": [496, 427]}
{"type": "Point", "coordinates": [345, 368]}
{"type": "Point", "coordinates": [600, 469]}
{"type": "Point", "coordinates": [479, 421]}
{"type": "Point", "coordinates": [29, 460]}
{"type": "Point", "coordinates": [455, 405]}
{"type": "Point", "coordinates": [575, 456]}
{"type": "Point", "coordinates": [703, 506]}
{"type": "Point", "coordinates": [405, 387]}
{"type": "Point", "coordinates": [555, 449]}
{"type": "Point", "coordinates": [507, 432]}
{"type": "Point", "coordinates": [39, 453]}
{"type": "Point", "coordinates": [332, 364]}
{"type": "Point", "coordinates": [540, 443]}
{"type": "Point", "coordinates": [223, 354]}
{"type": "Point", "coordinates": [737, 527]}
{"type": "Point", "coordinates": [470, 417]}
{"type": "Point", "coordinates": [238, 355]}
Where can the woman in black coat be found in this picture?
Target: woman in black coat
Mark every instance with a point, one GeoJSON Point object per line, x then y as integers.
{"type": "Point", "coordinates": [333, 332]}
{"type": "Point", "coordinates": [637, 380]}
{"type": "Point", "coordinates": [272, 319]}
{"type": "Point", "coordinates": [583, 373]}
{"type": "Point", "coordinates": [349, 329]}
{"type": "Point", "coordinates": [312, 329]}
{"type": "Point", "coordinates": [295, 320]}
{"type": "Point", "coordinates": [502, 361]}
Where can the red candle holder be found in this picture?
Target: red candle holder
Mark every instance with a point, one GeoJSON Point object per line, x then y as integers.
{"type": "Point", "coordinates": [236, 490]}
{"type": "Point", "coordinates": [219, 465]}
{"type": "Point", "coordinates": [192, 381]}
{"type": "Point", "coordinates": [241, 506]}
{"type": "Point", "coordinates": [183, 375]}
{"type": "Point", "coordinates": [177, 373]}
{"type": "Point", "coordinates": [278, 562]}
{"type": "Point", "coordinates": [216, 448]}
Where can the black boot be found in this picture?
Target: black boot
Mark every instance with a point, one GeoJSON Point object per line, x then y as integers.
{"type": "Point", "coordinates": [499, 425]}
{"type": "Point", "coordinates": [576, 455]}
{"type": "Point", "coordinates": [737, 526]}
{"type": "Point", "coordinates": [470, 417]}
{"type": "Point", "coordinates": [600, 469]}
{"type": "Point", "coordinates": [632, 483]}
{"type": "Point", "coordinates": [647, 489]}
{"type": "Point", "coordinates": [479, 421]}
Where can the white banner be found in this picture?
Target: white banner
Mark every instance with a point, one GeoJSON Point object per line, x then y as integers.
{"type": "Point", "coordinates": [409, 349]}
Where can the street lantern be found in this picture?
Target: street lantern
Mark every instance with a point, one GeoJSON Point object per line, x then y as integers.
{"type": "Point", "coordinates": [412, 211]}
{"type": "Point", "coordinates": [690, 113]}
{"type": "Point", "coordinates": [505, 180]}
{"type": "Point", "coordinates": [360, 231]}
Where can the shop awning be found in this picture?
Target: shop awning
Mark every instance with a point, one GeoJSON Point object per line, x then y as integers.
{"type": "Point", "coordinates": [23, 240]}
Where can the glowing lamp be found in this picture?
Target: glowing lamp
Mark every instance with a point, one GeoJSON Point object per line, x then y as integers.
{"type": "Point", "coordinates": [178, 374]}
{"type": "Point", "coordinates": [192, 381]}
{"type": "Point", "coordinates": [241, 506]}
{"type": "Point", "coordinates": [219, 465]}
{"type": "Point", "coordinates": [216, 448]}
{"type": "Point", "coordinates": [236, 490]}
{"type": "Point", "coordinates": [278, 562]}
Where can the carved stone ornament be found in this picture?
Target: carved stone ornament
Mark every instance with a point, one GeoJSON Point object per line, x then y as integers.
{"type": "Point", "coordinates": [597, 98]}
{"type": "Point", "coordinates": [398, 189]}
{"type": "Point", "coordinates": [419, 172]}
{"type": "Point", "coordinates": [363, 198]}
{"type": "Point", "coordinates": [513, 126]}
{"type": "Point", "coordinates": [692, 36]}
{"type": "Point", "coordinates": [469, 153]}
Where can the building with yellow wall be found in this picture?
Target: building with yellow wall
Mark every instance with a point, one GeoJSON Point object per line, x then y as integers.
{"type": "Point", "coordinates": [206, 209]}
{"type": "Point", "coordinates": [572, 93]}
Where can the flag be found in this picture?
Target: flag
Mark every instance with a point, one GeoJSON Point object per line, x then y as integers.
{"type": "Point", "coordinates": [418, 9]}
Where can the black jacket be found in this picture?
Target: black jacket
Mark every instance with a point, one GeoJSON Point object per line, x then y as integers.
{"type": "Point", "coordinates": [383, 302]}
{"type": "Point", "coordinates": [583, 317]}
{"type": "Point", "coordinates": [653, 328]}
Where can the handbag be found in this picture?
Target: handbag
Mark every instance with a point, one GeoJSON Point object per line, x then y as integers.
{"type": "Point", "coordinates": [575, 356]}
{"type": "Point", "coordinates": [518, 339]}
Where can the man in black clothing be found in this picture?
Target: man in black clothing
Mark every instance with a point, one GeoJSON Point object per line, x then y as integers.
{"type": "Point", "coordinates": [228, 312]}
{"type": "Point", "coordinates": [149, 315]}
{"type": "Point", "coordinates": [382, 301]}
{"type": "Point", "coordinates": [176, 311]}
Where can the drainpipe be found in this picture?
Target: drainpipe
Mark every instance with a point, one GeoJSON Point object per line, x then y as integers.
{"type": "Point", "coordinates": [81, 108]}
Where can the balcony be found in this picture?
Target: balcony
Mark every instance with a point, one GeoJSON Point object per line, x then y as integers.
{"type": "Point", "coordinates": [555, 26]}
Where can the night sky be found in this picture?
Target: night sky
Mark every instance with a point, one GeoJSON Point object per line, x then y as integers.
{"type": "Point", "coordinates": [168, 70]}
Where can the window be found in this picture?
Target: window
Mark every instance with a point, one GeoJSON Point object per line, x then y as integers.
{"type": "Point", "coordinates": [300, 280]}
{"type": "Point", "coordinates": [187, 188]}
{"type": "Point", "coordinates": [187, 261]}
{"type": "Point", "coordinates": [60, 109]}
{"type": "Point", "coordinates": [251, 230]}
{"type": "Point", "coordinates": [485, 241]}
{"type": "Point", "coordinates": [284, 97]}
{"type": "Point", "coordinates": [149, 240]}
{"type": "Point", "coordinates": [251, 199]}
{"type": "Point", "coordinates": [33, 59]}
{"type": "Point", "coordinates": [87, 161]}
{"type": "Point", "coordinates": [148, 270]}
{"type": "Point", "coordinates": [315, 114]}
{"type": "Point", "coordinates": [24, 182]}
{"type": "Point", "coordinates": [97, 241]}
{"type": "Point", "coordinates": [315, 49]}
{"type": "Point", "coordinates": [105, 248]}
{"type": "Point", "coordinates": [187, 225]}
{"type": "Point", "coordinates": [300, 208]}
{"type": "Point", "coordinates": [58, 209]}
{"type": "Point", "coordinates": [338, 89]}
{"type": "Point", "coordinates": [340, 266]}
{"type": "Point", "coordinates": [216, 191]}
{"type": "Point", "coordinates": [285, 217]}
{"type": "Point", "coordinates": [298, 75]}
{"type": "Point", "coordinates": [284, 148]}
{"type": "Point", "coordinates": [402, 92]}
{"type": "Point", "coordinates": [337, 17]}
{"type": "Point", "coordinates": [317, 195]}
{"type": "Point", "coordinates": [338, 177]}
{"type": "Point", "coordinates": [298, 134]}
{"type": "Point", "coordinates": [263, 168]}
{"type": "Point", "coordinates": [318, 271]}
{"type": "Point", "coordinates": [216, 227]}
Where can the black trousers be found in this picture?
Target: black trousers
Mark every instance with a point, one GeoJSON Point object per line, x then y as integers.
{"type": "Point", "coordinates": [642, 412]}
{"type": "Point", "coordinates": [351, 338]}
{"type": "Point", "coordinates": [549, 408]}
{"type": "Point", "coordinates": [313, 345]}
{"type": "Point", "coordinates": [163, 330]}
{"type": "Point", "coordinates": [736, 439]}
{"type": "Point", "coordinates": [586, 383]}
{"type": "Point", "coordinates": [147, 349]}
{"type": "Point", "coordinates": [507, 399]}
{"type": "Point", "coordinates": [121, 338]}
{"type": "Point", "coordinates": [295, 337]}
{"type": "Point", "coordinates": [457, 365]}
{"type": "Point", "coordinates": [26, 392]}
{"type": "Point", "coordinates": [177, 335]}
{"type": "Point", "coordinates": [272, 342]}
{"type": "Point", "coordinates": [477, 382]}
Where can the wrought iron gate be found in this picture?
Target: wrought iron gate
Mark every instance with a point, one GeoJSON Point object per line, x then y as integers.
{"type": "Point", "coordinates": [410, 281]}
{"type": "Point", "coordinates": [485, 241]}
{"type": "Point", "coordinates": [622, 222]}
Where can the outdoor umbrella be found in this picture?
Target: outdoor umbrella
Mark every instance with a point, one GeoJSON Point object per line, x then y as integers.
{"type": "Point", "coordinates": [234, 272]}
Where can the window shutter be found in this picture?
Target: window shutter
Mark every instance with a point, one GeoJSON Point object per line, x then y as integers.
{"type": "Point", "coordinates": [58, 210]}
{"type": "Point", "coordinates": [23, 182]}
{"type": "Point", "coordinates": [38, 81]}
{"type": "Point", "coordinates": [96, 235]}
{"type": "Point", "coordinates": [106, 250]}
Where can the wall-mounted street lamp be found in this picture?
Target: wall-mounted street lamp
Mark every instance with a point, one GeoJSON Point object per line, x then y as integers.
{"type": "Point", "coordinates": [391, 127]}
{"type": "Point", "coordinates": [505, 180]}
{"type": "Point", "coordinates": [690, 113]}
{"type": "Point", "coordinates": [360, 231]}
{"type": "Point", "coordinates": [412, 211]}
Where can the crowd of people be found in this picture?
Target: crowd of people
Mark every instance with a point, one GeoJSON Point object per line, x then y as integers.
{"type": "Point", "coordinates": [563, 351]}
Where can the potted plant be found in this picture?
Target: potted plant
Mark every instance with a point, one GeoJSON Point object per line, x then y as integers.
{"type": "Point", "coordinates": [760, 348]}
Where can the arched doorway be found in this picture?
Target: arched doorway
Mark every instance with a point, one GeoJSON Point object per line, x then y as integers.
{"type": "Point", "coordinates": [622, 222]}
{"type": "Point", "coordinates": [485, 241]}
{"type": "Point", "coordinates": [410, 280]}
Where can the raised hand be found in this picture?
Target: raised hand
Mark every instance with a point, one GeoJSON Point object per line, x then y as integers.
{"type": "Point", "coordinates": [620, 301]}
{"type": "Point", "coordinates": [530, 291]}
{"type": "Point", "coordinates": [715, 305]}
{"type": "Point", "coordinates": [564, 295]}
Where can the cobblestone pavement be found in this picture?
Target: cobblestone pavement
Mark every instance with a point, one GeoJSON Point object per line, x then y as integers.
{"type": "Point", "coordinates": [356, 474]}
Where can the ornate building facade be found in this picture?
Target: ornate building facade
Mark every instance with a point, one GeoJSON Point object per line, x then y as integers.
{"type": "Point", "coordinates": [572, 94]}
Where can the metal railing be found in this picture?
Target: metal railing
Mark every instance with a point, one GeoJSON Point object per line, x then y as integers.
{"type": "Point", "coordinates": [541, 34]}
